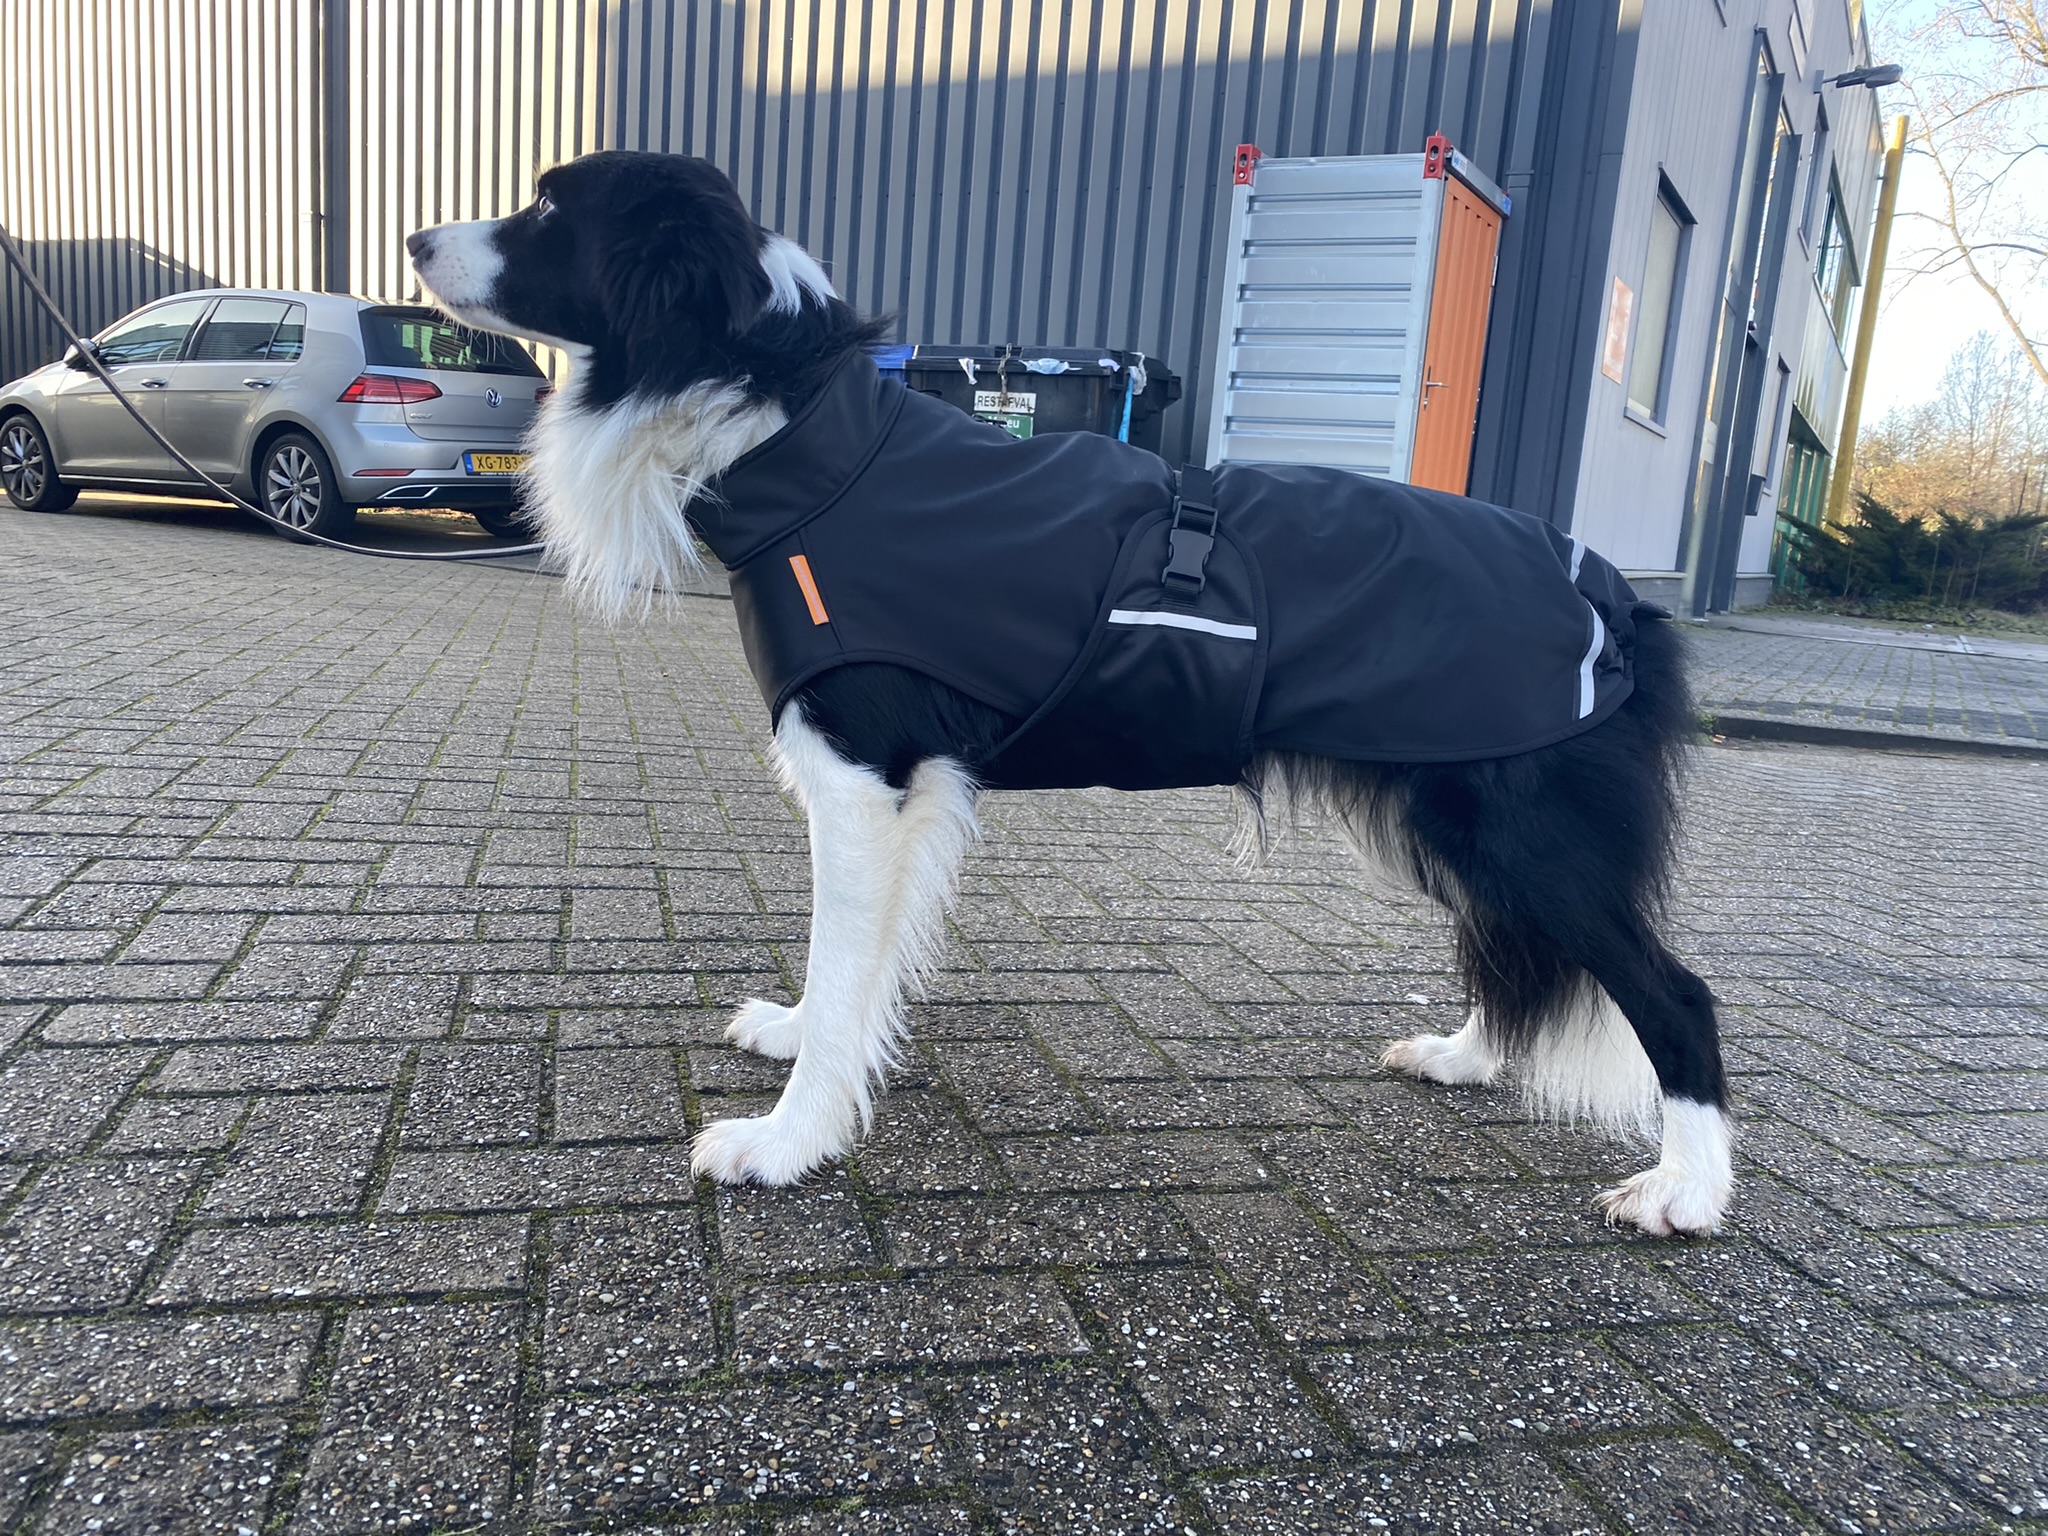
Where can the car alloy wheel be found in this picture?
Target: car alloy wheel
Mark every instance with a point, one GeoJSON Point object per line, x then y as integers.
{"type": "Point", "coordinates": [291, 487]}
{"type": "Point", "coordinates": [24, 470]}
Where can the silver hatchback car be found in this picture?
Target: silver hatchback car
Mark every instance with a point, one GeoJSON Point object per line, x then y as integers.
{"type": "Point", "coordinates": [309, 404]}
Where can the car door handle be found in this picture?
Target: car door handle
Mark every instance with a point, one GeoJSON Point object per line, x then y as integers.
{"type": "Point", "coordinates": [256, 383]}
{"type": "Point", "coordinates": [154, 383]}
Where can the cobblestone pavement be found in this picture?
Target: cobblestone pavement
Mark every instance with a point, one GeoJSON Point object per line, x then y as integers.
{"type": "Point", "coordinates": [366, 934]}
{"type": "Point", "coordinates": [1845, 676]}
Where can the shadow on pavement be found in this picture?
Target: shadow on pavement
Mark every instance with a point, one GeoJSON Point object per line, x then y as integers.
{"type": "Point", "coordinates": [412, 531]}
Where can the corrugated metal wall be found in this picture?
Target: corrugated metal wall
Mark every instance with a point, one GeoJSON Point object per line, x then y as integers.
{"type": "Point", "coordinates": [1001, 170]}
{"type": "Point", "coordinates": [151, 146]}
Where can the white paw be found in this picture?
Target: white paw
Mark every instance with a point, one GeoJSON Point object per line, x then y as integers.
{"type": "Point", "coordinates": [767, 1029]}
{"type": "Point", "coordinates": [768, 1149]}
{"type": "Point", "coordinates": [1665, 1203]}
{"type": "Point", "coordinates": [1441, 1059]}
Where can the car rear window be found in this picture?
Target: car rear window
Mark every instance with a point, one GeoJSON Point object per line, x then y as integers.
{"type": "Point", "coordinates": [420, 338]}
{"type": "Point", "coordinates": [251, 331]}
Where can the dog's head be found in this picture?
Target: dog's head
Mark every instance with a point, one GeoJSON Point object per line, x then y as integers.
{"type": "Point", "coordinates": [694, 332]}
{"type": "Point", "coordinates": [647, 262]}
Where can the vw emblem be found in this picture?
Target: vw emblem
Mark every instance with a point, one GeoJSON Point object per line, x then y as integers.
{"type": "Point", "coordinates": [493, 399]}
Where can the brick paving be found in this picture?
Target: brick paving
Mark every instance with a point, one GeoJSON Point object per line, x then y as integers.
{"type": "Point", "coordinates": [365, 936]}
{"type": "Point", "coordinates": [1850, 676]}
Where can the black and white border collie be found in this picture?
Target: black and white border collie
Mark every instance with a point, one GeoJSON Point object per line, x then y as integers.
{"type": "Point", "coordinates": [694, 334]}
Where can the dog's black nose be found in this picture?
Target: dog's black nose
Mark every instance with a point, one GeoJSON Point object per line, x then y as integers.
{"type": "Point", "coordinates": [419, 242]}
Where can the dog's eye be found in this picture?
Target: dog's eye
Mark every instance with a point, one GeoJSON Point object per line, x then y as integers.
{"type": "Point", "coordinates": [543, 205]}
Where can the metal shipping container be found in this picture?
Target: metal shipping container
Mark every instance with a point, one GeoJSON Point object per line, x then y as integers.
{"type": "Point", "coordinates": [1355, 300]}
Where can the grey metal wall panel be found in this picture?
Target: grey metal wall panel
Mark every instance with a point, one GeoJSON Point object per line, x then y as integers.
{"type": "Point", "coordinates": [153, 146]}
{"type": "Point", "coordinates": [1547, 306]}
{"type": "Point", "coordinates": [1001, 170]}
{"type": "Point", "coordinates": [1694, 68]}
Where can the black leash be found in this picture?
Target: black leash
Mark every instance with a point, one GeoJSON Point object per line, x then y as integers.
{"type": "Point", "coordinates": [42, 296]}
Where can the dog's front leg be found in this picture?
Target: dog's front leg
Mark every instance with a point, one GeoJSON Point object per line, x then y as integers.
{"type": "Point", "coordinates": [883, 870]}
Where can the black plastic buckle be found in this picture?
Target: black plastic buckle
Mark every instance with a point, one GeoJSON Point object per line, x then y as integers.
{"type": "Point", "coordinates": [1191, 536]}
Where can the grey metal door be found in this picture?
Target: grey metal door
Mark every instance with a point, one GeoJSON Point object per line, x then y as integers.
{"type": "Point", "coordinates": [1701, 538]}
{"type": "Point", "coordinates": [218, 391]}
{"type": "Point", "coordinates": [95, 437]}
{"type": "Point", "coordinates": [1740, 485]}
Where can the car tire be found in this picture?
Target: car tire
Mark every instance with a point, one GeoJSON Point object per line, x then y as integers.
{"type": "Point", "coordinates": [295, 484]}
{"type": "Point", "coordinates": [27, 471]}
{"type": "Point", "coordinates": [504, 522]}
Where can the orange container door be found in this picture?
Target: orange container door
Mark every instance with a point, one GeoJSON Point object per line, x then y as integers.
{"type": "Point", "coordinates": [1460, 301]}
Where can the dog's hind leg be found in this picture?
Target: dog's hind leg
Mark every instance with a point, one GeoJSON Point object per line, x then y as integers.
{"type": "Point", "coordinates": [1633, 1033]}
{"type": "Point", "coordinates": [1605, 1026]}
{"type": "Point", "coordinates": [1672, 1012]}
{"type": "Point", "coordinates": [1633, 1029]}
{"type": "Point", "coordinates": [1468, 1056]}
{"type": "Point", "coordinates": [884, 865]}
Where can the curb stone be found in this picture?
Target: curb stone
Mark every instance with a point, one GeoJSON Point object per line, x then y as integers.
{"type": "Point", "coordinates": [1765, 728]}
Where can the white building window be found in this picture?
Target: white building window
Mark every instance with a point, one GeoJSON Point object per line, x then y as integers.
{"type": "Point", "coordinates": [1657, 311]}
{"type": "Point", "coordinates": [1817, 173]}
{"type": "Point", "coordinates": [1834, 264]}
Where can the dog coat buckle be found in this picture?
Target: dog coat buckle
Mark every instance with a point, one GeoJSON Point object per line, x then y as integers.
{"type": "Point", "coordinates": [1191, 536]}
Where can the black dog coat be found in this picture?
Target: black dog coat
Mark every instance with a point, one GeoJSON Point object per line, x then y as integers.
{"type": "Point", "coordinates": [1335, 615]}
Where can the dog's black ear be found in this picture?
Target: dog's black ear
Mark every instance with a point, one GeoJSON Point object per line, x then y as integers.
{"type": "Point", "coordinates": [687, 270]}
{"type": "Point", "coordinates": [746, 286]}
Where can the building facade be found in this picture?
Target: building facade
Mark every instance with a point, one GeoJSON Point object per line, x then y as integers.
{"type": "Point", "coordinates": [1743, 211]}
{"type": "Point", "coordinates": [1020, 171]}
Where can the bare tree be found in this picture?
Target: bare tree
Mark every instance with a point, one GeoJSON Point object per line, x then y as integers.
{"type": "Point", "coordinates": [1977, 449]}
{"type": "Point", "coordinates": [1977, 73]}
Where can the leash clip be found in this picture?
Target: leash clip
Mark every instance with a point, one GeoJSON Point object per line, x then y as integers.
{"type": "Point", "coordinates": [1191, 535]}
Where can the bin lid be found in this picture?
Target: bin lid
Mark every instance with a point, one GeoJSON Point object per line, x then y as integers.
{"type": "Point", "coordinates": [1032, 358]}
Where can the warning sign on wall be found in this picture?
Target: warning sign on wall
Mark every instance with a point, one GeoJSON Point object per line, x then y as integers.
{"type": "Point", "coordinates": [1614, 357]}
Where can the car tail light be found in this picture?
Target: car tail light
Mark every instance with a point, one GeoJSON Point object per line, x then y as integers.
{"type": "Point", "coordinates": [388, 389]}
{"type": "Point", "coordinates": [542, 393]}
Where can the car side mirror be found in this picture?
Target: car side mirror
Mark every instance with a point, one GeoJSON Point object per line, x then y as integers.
{"type": "Point", "coordinates": [75, 357]}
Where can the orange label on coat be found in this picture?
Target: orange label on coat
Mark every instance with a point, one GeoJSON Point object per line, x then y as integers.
{"type": "Point", "coordinates": [815, 603]}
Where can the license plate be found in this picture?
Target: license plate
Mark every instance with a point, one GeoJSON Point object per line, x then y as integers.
{"type": "Point", "coordinates": [494, 463]}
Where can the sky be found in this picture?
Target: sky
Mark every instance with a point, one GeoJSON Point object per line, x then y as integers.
{"type": "Point", "coordinates": [1921, 319]}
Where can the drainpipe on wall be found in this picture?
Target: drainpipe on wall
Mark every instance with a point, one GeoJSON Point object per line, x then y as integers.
{"type": "Point", "coordinates": [1866, 328]}
{"type": "Point", "coordinates": [334, 276]}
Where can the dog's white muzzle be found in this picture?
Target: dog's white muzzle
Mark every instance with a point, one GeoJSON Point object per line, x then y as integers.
{"type": "Point", "coordinates": [458, 266]}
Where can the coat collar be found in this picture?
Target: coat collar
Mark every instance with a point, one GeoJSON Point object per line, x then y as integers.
{"type": "Point", "coordinates": [779, 485]}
